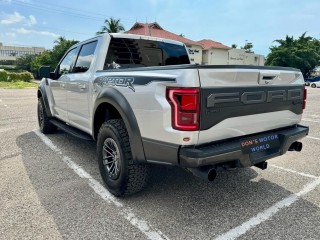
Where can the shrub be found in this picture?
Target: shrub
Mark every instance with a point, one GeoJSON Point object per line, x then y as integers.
{"type": "Point", "coordinates": [3, 76]}
{"type": "Point", "coordinates": [15, 77]}
{"type": "Point", "coordinates": [8, 68]}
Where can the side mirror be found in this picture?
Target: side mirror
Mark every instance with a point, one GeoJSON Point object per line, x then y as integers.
{"type": "Point", "coordinates": [44, 72]}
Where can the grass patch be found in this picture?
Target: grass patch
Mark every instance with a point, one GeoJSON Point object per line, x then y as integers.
{"type": "Point", "coordinates": [19, 84]}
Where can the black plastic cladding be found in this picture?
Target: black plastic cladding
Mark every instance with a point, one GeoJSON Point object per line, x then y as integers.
{"type": "Point", "coordinates": [43, 92]}
{"type": "Point", "coordinates": [117, 100]}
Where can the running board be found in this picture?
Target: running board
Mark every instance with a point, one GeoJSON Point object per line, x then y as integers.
{"type": "Point", "coordinates": [71, 130]}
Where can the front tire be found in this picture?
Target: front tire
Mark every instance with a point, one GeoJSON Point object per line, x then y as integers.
{"type": "Point", "coordinates": [313, 85]}
{"type": "Point", "coordinates": [43, 119]}
{"type": "Point", "coordinates": [120, 174]}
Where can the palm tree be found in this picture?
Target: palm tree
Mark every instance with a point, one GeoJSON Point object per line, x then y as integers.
{"type": "Point", "coordinates": [60, 40]}
{"type": "Point", "coordinates": [111, 25]}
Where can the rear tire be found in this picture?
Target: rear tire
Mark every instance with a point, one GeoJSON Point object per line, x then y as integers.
{"type": "Point", "coordinates": [313, 85]}
{"type": "Point", "coordinates": [120, 174]}
{"type": "Point", "coordinates": [43, 119]}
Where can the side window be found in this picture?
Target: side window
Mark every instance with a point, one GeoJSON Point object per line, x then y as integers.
{"type": "Point", "coordinates": [85, 57]}
{"type": "Point", "coordinates": [66, 64]}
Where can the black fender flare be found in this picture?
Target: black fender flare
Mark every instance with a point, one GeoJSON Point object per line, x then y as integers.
{"type": "Point", "coordinates": [120, 103]}
{"type": "Point", "coordinates": [43, 93]}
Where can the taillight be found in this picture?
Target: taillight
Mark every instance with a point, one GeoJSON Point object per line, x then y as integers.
{"type": "Point", "coordinates": [185, 108]}
{"type": "Point", "coordinates": [304, 98]}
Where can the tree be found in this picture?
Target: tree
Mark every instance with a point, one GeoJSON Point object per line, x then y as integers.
{"type": "Point", "coordinates": [234, 45]}
{"type": "Point", "coordinates": [52, 57]}
{"type": "Point", "coordinates": [45, 59]}
{"type": "Point", "coordinates": [182, 35]}
{"type": "Point", "coordinates": [302, 53]}
{"type": "Point", "coordinates": [111, 25]}
{"type": "Point", "coordinates": [247, 47]}
{"type": "Point", "coordinates": [60, 48]}
{"type": "Point", "coordinates": [25, 62]}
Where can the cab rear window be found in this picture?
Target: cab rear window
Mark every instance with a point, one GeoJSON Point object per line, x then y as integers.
{"type": "Point", "coordinates": [130, 53]}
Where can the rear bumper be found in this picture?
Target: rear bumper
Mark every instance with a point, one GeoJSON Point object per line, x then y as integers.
{"type": "Point", "coordinates": [230, 150]}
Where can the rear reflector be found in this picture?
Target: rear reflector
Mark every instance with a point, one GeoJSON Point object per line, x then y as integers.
{"type": "Point", "coordinates": [304, 98]}
{"type": "Point", "coordinates": [185, 108]}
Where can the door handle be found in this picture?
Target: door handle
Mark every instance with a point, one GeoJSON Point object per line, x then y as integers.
{"type": "Point", "coordinates": [82, 86]}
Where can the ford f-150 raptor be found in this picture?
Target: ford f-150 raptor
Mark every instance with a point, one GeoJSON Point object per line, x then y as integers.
{"type": "Point", "coordinates": [143, 102]}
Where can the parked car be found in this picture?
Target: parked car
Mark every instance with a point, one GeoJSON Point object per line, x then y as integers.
{"type": "Point", "coordinates": [315, 84]}
{"type": "Point", "coordinates": [316, 79]}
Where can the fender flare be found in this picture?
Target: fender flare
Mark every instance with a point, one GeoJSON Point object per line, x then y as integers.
{"type": "Point", "coordinates": [120, 103]}
{"type": "Point", "coordinates": [43, 93]}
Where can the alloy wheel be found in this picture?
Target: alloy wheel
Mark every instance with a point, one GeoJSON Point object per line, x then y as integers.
{"type": "Point", "coordinates": [111, 158]}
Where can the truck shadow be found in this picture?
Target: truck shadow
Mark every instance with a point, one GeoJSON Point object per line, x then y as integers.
{"type": "Point", "coordinates": [174, 200]}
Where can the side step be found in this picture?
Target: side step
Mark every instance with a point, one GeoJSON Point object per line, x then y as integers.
{"type": "Point", "coordinates": [71, 130]}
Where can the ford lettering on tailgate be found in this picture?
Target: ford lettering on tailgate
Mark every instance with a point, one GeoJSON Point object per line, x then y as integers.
{"type": "Point", "coordinates": [254, 97]}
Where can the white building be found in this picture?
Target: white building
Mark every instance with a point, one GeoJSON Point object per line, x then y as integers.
{"type": "Point", "coordinates": [215, 53]}
{"type": "Point", "coordinates": [10, 53]}
{"type": "Point", "coordinates": [240, 56]}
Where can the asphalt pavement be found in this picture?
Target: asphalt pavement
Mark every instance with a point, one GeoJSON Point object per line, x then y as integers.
{"type": "Point", "coordinates": [50, 188]}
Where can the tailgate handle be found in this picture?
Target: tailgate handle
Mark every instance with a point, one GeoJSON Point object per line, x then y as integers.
{"type": "Point", "coordinates": [268, 77]}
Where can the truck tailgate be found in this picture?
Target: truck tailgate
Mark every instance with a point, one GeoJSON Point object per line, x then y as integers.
{"type": "Point", "coordinates": [242, 100]}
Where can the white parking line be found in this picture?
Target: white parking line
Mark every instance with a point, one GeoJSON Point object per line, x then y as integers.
{"type": "Point", "coordinates": [268, 213]}
{"type": "Point", "coordinates": [5, 105]}
{"type": "Point", "coordinates": [142, 225]}
{"type": "Point", "coordinates": [310, 120]}
{"type": "Point", "coordinates": [5, 129]}
{"type": "Point", "coordinates": [313, 138]}
{"type": "Point", "coordinates": [293, 171]}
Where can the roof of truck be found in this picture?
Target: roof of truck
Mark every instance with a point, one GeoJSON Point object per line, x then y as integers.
{"type": "Point", "coordinates": [136, 36]}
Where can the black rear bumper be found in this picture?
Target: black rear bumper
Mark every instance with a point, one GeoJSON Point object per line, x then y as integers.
{"type": "Point", "coordinates": [230, 151]}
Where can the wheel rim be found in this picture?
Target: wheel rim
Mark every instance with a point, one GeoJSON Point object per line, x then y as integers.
{"type": "Point", "coordinates": [111, 158]}
{"type": "Point", "coordinates": [40, 115]}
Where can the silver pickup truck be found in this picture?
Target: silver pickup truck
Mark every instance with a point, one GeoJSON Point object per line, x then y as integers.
{"type": "Point", "coordinates": [144, 103]}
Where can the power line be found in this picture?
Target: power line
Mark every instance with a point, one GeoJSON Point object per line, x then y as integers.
{"type": "Point", "coordinates": [61, 11]}
{"type": "Point", "coordinates": [63, 30]}
{"type": "Point", "coordinates": [52, 10]}
{"type": "Point", "coordinates": [74, 9]}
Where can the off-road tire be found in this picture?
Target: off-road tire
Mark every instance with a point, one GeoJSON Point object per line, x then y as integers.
{"type": "Point", "coordinates": [43, 119]}
{"type": "Point", "coordinates": [132, 176]}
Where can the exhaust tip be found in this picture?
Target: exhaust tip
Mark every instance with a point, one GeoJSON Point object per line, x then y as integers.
{"type": "Point", "coordinates": [205, 173]}
{"type": "Point", "coordinates": [212, 174]}
{"type": "Point", "coordinates": [262, 165]}
{"type": "Point", "coordinates": [296, 146]}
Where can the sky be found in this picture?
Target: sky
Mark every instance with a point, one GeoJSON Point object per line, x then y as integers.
{"type": "Point", "coordinates": [39, 22]}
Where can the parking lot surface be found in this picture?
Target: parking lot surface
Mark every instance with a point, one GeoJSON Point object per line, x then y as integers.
{"type": "Point", "coordinates": [50, 188]}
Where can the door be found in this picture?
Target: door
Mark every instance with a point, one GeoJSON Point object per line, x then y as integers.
{"type": "Point", "coordinates": [78, 88]}
{"type": "Point", "coordinates": [58, 86]}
